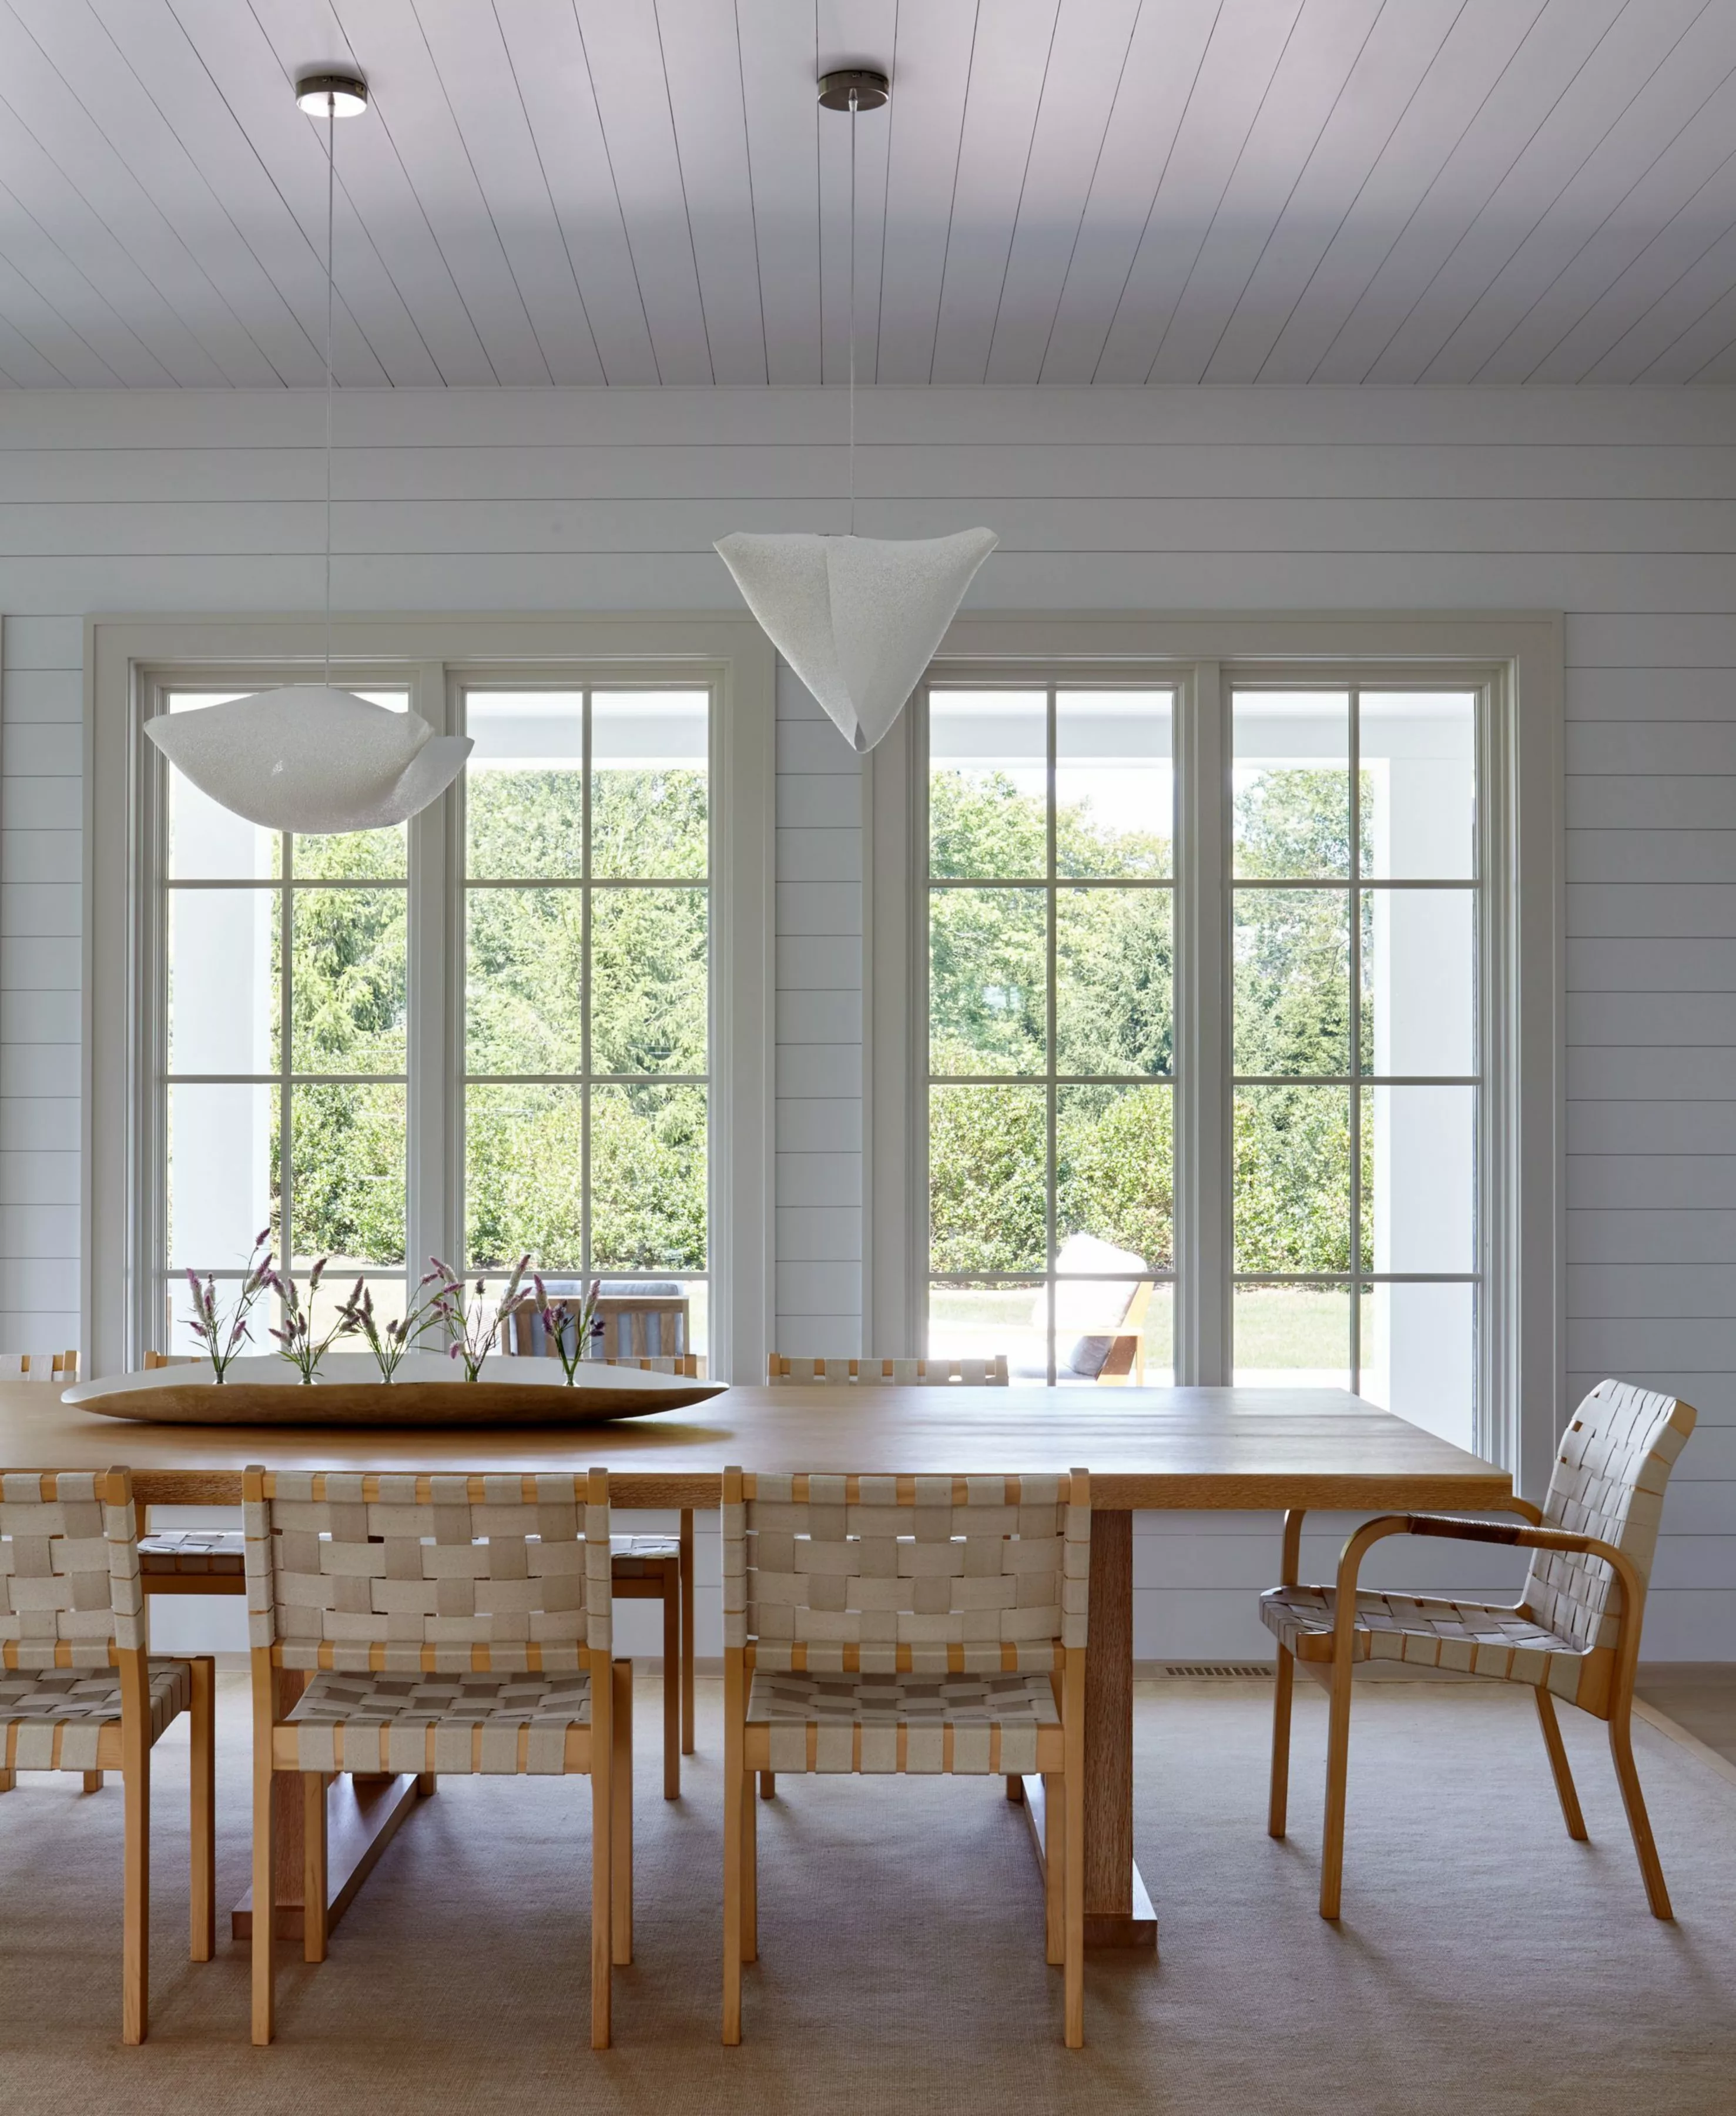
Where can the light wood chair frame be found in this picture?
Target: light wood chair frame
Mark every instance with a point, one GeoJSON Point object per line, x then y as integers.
{"type": "Point", "coordinates": [871, 1372]}
{"type": "Point", "coordinates": [602, 1751]}
{"type": "Point", "coordinates": [125, 1745]}
{"type": "Point", "coordinates": [748, 1749]}
{"type": "Point", "coordinates": [1614, 1704]}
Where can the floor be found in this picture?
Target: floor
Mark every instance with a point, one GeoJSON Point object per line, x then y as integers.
{"type": "Point", "coordinates": [1485, 1966]}
{"type": "Point", "coordinates": [1700, 1696]}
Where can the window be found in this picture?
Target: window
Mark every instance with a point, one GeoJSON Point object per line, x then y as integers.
{"type": "Point", "coordinates": [1229, 974]}
{"type": "Point", "coordinates": [1354, 923]}
{"type": "Point", "coordinates": [287, 1064]}
{"type": "Point", "coordinates": [587, 986]}
{"type": "Point", "coordinates": [1050, 1073]}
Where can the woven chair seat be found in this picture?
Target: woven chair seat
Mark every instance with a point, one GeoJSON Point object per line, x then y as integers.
{"type": "Point", "coordinates": [194, 1550]}
{"type": "Point", "coordinates": [1477, 1638]}
{"type": "Point", "coordinates": [974, 1708]}
{"type": "Point", "coordinates": [470, 1722]}
{"type": "Point", "coordinates": [37, 1703]}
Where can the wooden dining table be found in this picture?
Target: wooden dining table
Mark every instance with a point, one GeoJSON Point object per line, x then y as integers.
{"type": "Point", "coordinates": [1146, 1448]}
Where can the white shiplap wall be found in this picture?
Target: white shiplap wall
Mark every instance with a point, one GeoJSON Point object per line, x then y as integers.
{"type": "Point", "coordinates": [1617, 507]}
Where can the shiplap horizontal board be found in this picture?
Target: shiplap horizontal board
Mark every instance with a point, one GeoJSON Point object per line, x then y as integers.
{"type": "Point", "coordinates": [820, 855]}
{"type": "Point", "coordinates": [820, 1233]}
{"type": "Point", "coordinates": [1653, 855]}
{"type": "Point", "coordinates": [44, 642]}
{"type": "Point", "coordinates": [1690, 1625]}
{"type": "Point", "coordinates": [28, 855]}
{"type": "Point", "coordinates": [1701, 637]}
{"type": "Point", "coordinates": [1637, 1236]}
{"type": "Point", "coordinates": [1600, 803]}
{"type": "Point", "coordinates": [1647, 1291]}
{"type": "Point", "coordinates": [819, 1179]}
{"type": "Point", "coordinates": [32, 1124]}
{"type": "Point", "coordinates": [43, 694]}
{"type": "Point", "coordinates": [820, 1017]}
{"type": "Point", "coordinates": [1673, 1181]}
{"type": "Point", "coordinates": [35, 966]}
{"type": "Point", "coordinates": [38, 751]}
{"type": "Point", "coordinates": [821, 1070]}
{"type": "Point", "coordinates": [809, 1125]}
{"type": "Point", "coordinates": [1702, 1507]}
{"type": "Point", "coordinates": [1670, 911]}
{"type": "Point", "coordinates": [1651, 966]}
{"type": "Point", "coordinates": [1621, 1343]}
{"type": "Point", "coordinates": [39, 1231]}
{"type": "Point", "coordinates": [818, 962]}
{"type": "Point", "coordinates": [813, 746]}
{"type": "Point", "coordinates": [51, 1017]}
{"type": "Point", "coordinates": [1657, 748]}
{"type": "Point", "coordinates": [1642, 695]}
{"type": "Point", "coordinates": [44, 1330]}
{"type": "Point", "coordinates": [819, 800]}
{"type": "Point", "coordinates": [1669, 1127]}
{"type": "Point", "coordinates": [1643, 1018]}
{"type": "Point", "coordinates": [30, 1178]}
{"type": "Point", "coordinates": [817, 1287]}
{"type": "Point", "coordinates": [35, 1068]}
{"type": "Point", "coordinates": [1648, 1073]}
{"type": "Point", "coordinates": [49, 804]}
{"type": "Point", "coordinates": [829, 908]}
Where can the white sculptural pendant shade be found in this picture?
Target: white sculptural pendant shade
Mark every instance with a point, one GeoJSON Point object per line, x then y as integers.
{"type": "Point", "coordinates": [311, 759]}
{"type": "Point", "coordinates": [857, 618]}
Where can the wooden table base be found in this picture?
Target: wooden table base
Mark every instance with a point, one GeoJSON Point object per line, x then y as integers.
{"type": "Point", "coordinates": [363, 1815]}
{"type": "Point", "coordinates": [1136, 1926]}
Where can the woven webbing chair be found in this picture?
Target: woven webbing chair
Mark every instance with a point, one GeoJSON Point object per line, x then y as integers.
{"type": "Point", "coordinates": [439, 1623]}
{"type": "Point", "coordinates": [1574, 1633]}
{"type": "Point", "coordinates": [78, 1692]}
{"type": "Point", "coordinates": [897, 1373]}
{"type": "Point", "coordinates": [913, 1624]}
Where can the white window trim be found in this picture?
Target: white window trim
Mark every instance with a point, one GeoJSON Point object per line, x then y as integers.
{"type": "Point", "coordinates": [1516, 662]}
{"type": "Point", "coordinates": [433, 655]}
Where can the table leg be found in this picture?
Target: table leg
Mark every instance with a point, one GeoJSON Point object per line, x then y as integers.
{"type": "Point", "coordinates": [362, 1816]}
{"type": "Point", "coordinates": [1117, 1911]}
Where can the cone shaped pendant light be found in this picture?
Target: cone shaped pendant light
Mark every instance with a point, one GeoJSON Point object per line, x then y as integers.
{"type": "Point", "coordinates": [308, 758]}
{"type": "Point", "coordinates": [857, 618]}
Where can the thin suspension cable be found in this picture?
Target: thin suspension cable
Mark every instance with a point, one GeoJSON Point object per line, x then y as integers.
{"type": "Point", "coordinates": [331, 186]}
{"type": "Point", "coordinates": [852, 310]}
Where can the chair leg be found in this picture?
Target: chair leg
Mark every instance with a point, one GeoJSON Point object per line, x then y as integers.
{"type": "Point", "coordinates": [8, 1779]}
{"type": "Point", "coordinates": [93, 1781]}
{"type": "Point", "coordinates": [264, 1870]}
{"type": "Point", "coordinates": [202, 1772]}
{"type": "Point", "coordinates": [672, 1679]}
{"type": "Point", "coordinates": [135, 1913]}
{"type": "Point", "coordinates": [750, 1876]}
{"type": "Point", "coordinates": [1639, 1823]}
{"type": "Point", "coordinates": [687, 1630]}
{"type": "Point", "coordinates": [1015, 1790]}
{"type": "Point", "coordinates": [1283, 1689]}
{"type": "Point", "coordinates": [1072, 1884]}
{"type": "Point", "coordinates": [602, 1886]}
{"type": "Point", "coordinates": [622, 1849]}
{"type": "Point", "coordinates": [427, 1784]}
{"type": "Point", "coordinates": [737, 1791]}
{"type": "Point", "coordinates": [768, 1785]}
{"type": "Point", "coordinates": [1338, 1763]}
{"type": "Point", "coordinates": [1054, 1869]}
{"type": "Point", "coordinates": [314, 1888]}
{"type": "Point", "coordinates": [1558, 1764]}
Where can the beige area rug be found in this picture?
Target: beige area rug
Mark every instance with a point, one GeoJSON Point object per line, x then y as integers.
{"type": "Point", "coordinates": [1485, 1966]}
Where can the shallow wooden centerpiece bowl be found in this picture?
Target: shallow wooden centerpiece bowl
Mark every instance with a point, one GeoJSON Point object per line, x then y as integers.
{"type": "Point", "coordinates": [429, 1390]}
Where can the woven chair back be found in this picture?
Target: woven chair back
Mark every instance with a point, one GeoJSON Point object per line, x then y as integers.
{"type": "Point", "coordinates": [896, 1575]}
{"type": "Point", "coordinates": [1611, 1468]}
{"type": "Point", "coordinates": [446, 1574]}
{"type": "Point", "coordinates": [69, 1569]}
{"type": "Point", "coordinates": [900, 1374]}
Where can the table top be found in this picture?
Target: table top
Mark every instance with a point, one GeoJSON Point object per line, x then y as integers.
{"type": "Point", "coordinates": [1188, 1448]}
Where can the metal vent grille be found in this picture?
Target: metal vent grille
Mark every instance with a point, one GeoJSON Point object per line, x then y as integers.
{"type": "Point", "coordinates": [1194, 1669]}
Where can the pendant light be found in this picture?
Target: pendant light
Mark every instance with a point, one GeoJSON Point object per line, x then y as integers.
{"type": "Point", "coordinates": [308, 758]}
{"type": "Point", "coordinates": [857, 618]}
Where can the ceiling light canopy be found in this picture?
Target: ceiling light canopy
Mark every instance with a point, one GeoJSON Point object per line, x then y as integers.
{"type": "Point", "coordinates": [324, 93]}
{"type": "Point", "coordinates": [857, 618]}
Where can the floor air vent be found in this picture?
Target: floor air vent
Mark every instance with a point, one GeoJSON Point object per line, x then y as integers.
{"type": "Point", "coordinates": [1194, 1669]}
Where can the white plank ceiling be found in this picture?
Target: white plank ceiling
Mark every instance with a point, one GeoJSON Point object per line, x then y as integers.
{"type": "Point", "coordinates": [642, 192]}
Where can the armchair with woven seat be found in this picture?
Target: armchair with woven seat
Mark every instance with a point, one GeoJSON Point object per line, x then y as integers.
{"type": "Point", "coordinates": [990, 1372]}
{"type": "Point", "coordinates": [1574, 1633]}
{"type": "Point", "coordinates": [79, 1691]}
{"type": "Point", "coordinates": [439, 1623]}
{"type": "Point", "coordinates": [879, 1624]}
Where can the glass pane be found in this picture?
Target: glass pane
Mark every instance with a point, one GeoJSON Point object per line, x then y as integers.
{"type": "Point", "coordinates": [1114, 1333]}
{"type": "Point", "coordinates": [1292, 980]}
{"type": "Point", "coordinates": [1416, 755]}
{"type": "Point", "coordinates": [524, 1171]}
{"type": "Point", "coordinates": [222, 1180]}
{"type": "Point", "coordinates": [648, 980]}
{"type": "Point", "coordinates": [1291, 1337]}
{"type": "Point", "coordinates": [1114, 980]}
{"type": "Point", "coordinates": [207, 841]}
{"type": "Point", "coordinates": [1114, 1179]}
{"type": "Point", "coordinates": [524, 799]}
{"type": "Point", "coordinates": [1292, 784]}
{"type": "Point", "coordinates": [335, 1289]}
{"type": "Point", "coordinates": [987, 980]}
{"type": "Point", "coordinates": [1114, 784]}
{"type": "Point", "coordinates": [987, 1154]}
{"type": "Point", "coordinates": [648, 1178]}
{"type": "Point", "coordinates": [1419, 1158]}
{"type": "Point", "coordinates": [1419, 1356]}
{"type": "Point", "coordinates": [524, 998]}
{"type": "Point", "coordinates": [222, 980]}
{"type": "Point", "coordinates": [349, 1162]}
{"type": "Point", "coordinates": [1292, 1179]}
{"type": "Point", "coordinates": [649, 756]}
{"type": "Point", "coordinates": [988, 776]}
{"type": "Point", "coordinates": [1419, 981]}
{"type": "Point", "coordinates": [977, 1321]}
{"type": "Point", "coordinates": [349, 965]}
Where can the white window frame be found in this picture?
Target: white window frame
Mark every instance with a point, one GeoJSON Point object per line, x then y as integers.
{"type": "Point", "coordinates": [1514, 664]}
{"type": "Point", "coordinates": [130, 661]}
